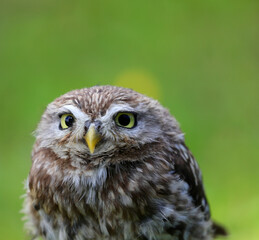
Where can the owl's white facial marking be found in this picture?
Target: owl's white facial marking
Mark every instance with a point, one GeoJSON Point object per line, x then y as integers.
{"type": "Point", "coordinates": [79, 114]}
{"type": "Point", "coordinates": [56, 138]}
{"type": "Point", "coordinates": [101, 110]}
{"type": "Point", "coordinates": [109, 128]}
{"type": "Point", "coordinates": [73, 144]}
{"type": "Point", "coordinates": [146, 130]}
{"type": "Point", "coordinates": [112, 136]}
{"type": "Point", "coordinates": [115, 108]}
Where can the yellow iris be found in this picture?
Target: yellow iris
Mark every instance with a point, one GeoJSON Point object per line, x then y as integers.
{"type": "Point", "coordinates": [126, 120]}
{"type": "Point", "coordinates": [66, 120]}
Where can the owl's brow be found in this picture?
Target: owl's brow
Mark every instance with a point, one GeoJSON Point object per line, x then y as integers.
{"type": "Point", "coordinates": [114, 109]}
{"type": "Point", "coordinates": [64, 112]}
{"type": "Point", "coordinates": [72, 110]}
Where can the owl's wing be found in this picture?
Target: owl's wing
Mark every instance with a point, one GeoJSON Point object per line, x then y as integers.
{"type": "Point", "coordinates": [187, 168]}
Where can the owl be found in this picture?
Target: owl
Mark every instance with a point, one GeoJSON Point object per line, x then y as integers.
{"type": "Point", "coordinates": [111, 163]}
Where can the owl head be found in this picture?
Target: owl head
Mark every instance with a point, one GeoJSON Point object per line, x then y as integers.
{"type": "Point", "coordinates": [103, 121]}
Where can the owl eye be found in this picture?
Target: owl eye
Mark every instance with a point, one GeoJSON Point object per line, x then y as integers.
{"type": "Point", "coordinates": [126, 120]}
{"type": "Point", "coordinates": [66, 121]}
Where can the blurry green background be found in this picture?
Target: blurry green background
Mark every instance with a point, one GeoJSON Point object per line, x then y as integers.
{"type": "Point", "coordinates": [199, 58]}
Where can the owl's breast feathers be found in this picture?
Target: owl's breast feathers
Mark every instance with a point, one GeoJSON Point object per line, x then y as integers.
{"type": "Point", "coordinates": [147, 198]}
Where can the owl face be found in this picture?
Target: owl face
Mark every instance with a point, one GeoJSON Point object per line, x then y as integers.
{"type": "Point", "coordinates": [97, 121]}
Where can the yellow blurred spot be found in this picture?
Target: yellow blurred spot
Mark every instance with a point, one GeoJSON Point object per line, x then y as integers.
{"type": "Point", "coordinates": [139, 81]}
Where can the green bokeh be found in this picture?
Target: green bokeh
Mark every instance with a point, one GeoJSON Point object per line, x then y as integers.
{"type": "Point", "coordinates": [199, 58]}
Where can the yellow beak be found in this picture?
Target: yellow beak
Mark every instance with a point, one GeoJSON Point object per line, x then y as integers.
{"type": "Point", "coordinates": [92, 138]}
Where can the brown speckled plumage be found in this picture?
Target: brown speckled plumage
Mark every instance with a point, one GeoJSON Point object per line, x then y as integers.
{"type": "Point", "coordinates": [140, 183]}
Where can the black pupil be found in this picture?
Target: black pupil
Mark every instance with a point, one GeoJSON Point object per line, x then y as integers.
{"type": "Point", "coordinates": [69, 121]}
{"type": "Point", "coordinates": [124, 120]}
